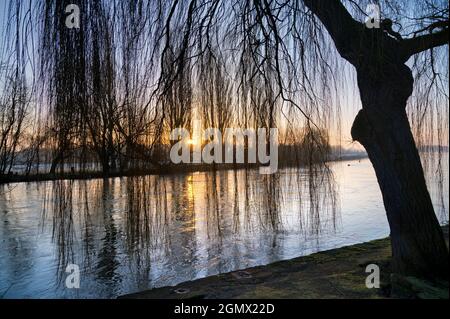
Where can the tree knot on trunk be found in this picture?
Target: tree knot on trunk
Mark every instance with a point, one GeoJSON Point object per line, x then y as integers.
{"type": "Point", "coordinates": [361, 130]}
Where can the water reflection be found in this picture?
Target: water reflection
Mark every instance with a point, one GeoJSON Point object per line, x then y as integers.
{"type": "Point", "coordinates": [189, 221]}
{"type": "Point", "coordinates": [129, 234]}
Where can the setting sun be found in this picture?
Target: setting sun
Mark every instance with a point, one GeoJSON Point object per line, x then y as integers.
{"type": "Point", "coordinates": [192, 142]}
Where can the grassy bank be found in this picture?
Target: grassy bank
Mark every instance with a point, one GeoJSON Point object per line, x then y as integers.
{"type": "Point", "coordinates": [337, 273]}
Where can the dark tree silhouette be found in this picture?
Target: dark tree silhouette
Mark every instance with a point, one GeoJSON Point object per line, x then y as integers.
{"type": "Point", "coordinates": [385, 84]}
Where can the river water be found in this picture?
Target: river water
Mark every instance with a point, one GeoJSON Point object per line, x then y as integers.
{"type": "Point", "coordinates": [131, 234]}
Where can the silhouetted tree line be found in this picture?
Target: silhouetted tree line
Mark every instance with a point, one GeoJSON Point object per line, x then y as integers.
{"type": "Point", "coordinates": [102, 102]}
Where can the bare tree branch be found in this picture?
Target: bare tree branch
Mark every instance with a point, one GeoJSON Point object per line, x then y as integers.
{"type": "Point", "coordinates": [424, 42]}
{"type": "Point", "coordinates": [345, 31]}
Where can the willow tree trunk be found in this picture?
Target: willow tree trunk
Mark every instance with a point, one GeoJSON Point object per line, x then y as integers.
{"type": "Point", "coordinates": [382, 127]}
